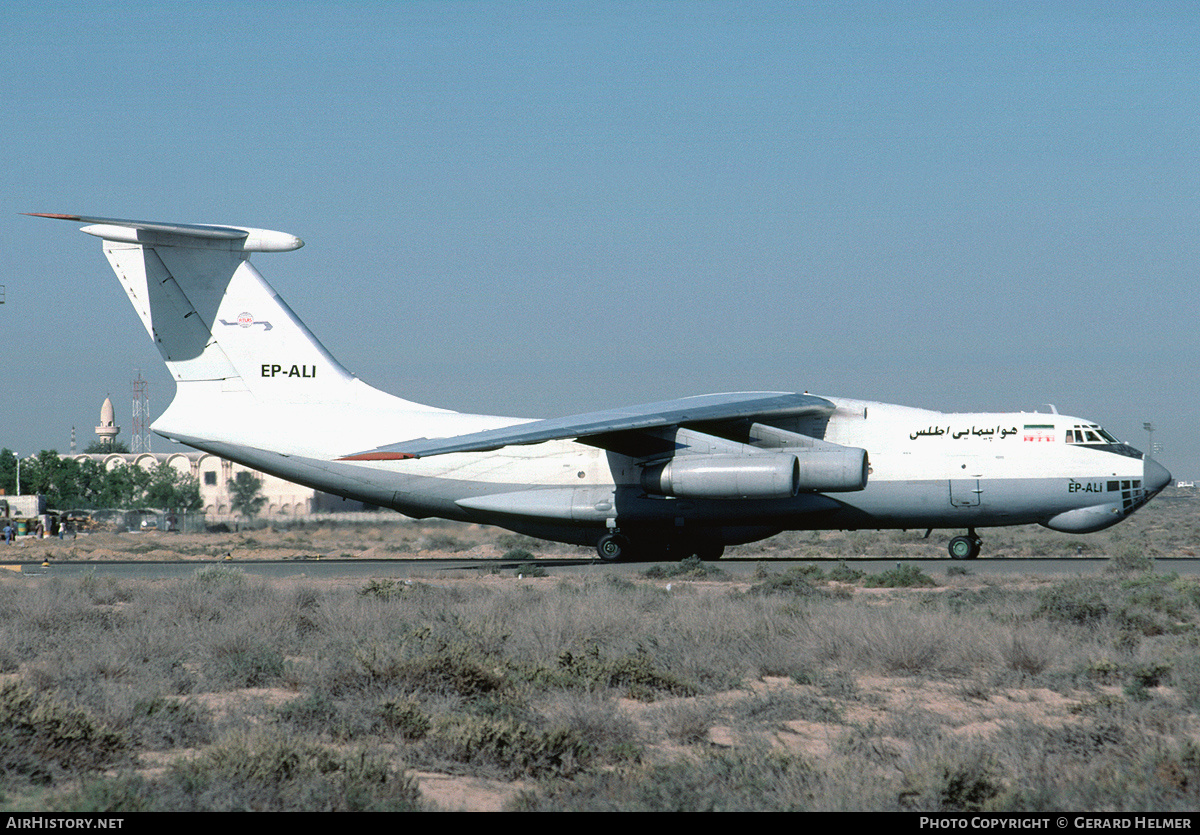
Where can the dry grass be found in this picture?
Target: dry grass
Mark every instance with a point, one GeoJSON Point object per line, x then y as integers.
{"type": "Point", "coordinates": [803, 689]}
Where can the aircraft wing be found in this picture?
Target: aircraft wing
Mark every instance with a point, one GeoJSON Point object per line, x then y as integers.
{"type": "Point", "coordinates": [630, 419]}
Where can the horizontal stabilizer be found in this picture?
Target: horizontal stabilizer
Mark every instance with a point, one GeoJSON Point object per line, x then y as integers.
{"type": "Point", "coordinates": [150, 233]}
{"type": "Point", "coordinates": [687, 410]}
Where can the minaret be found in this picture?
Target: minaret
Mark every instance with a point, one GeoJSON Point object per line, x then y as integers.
{"type": "Point", "coordinates": [107, 430]}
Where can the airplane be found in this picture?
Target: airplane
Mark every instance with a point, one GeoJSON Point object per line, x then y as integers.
{"type": "Point", "coordinates": [662, 480]}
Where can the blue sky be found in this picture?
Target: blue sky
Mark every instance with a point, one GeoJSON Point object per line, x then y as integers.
{"type": "Point", "coordinates": [538, 209]}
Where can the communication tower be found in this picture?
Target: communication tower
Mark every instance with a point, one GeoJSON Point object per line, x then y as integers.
{"type": "Point", "coordinates": [141, 414]}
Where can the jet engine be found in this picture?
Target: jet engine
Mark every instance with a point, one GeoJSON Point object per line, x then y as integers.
{"type": "Point", "coordinates": [765, 476]}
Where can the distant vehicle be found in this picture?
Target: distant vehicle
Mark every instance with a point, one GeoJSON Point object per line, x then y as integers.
{"type": "Point", "coordinates": [79, 520]}
{"type": "Point", "coordinates": [149, 525]}
{"type": "Point", "coordinates": [668, 479]}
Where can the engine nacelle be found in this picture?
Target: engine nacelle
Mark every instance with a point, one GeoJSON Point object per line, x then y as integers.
{"type": "Point", "coordinates": [833, 470]}
{"type": "Point", "coordinates": [778, 475]}
{"type": "Point", "coordinates": [774, 476]}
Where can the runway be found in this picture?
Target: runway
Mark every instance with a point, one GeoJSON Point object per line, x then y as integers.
{"type": "Point", "coordinates": [349, 569]}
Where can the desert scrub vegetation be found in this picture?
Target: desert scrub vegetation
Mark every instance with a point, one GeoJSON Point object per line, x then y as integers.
{"type": "Point", "coordinates": [255, 772]}
{"type": "Point", "coordinates": [807, 688]}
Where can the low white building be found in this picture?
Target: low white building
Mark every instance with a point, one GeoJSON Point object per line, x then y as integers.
{"type": "Point", "coordinates": [27, 505]}
{"type": "Point", "coordinates": [213, 473]}
{"type": "Point", "coordinates": [284, 498]}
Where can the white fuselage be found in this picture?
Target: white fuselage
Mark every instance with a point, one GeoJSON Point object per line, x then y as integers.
{"type": "Point", "coordinates": [927, 469]}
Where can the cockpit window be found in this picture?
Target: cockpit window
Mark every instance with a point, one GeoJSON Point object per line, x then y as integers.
{"type": "Point", "coordinates": [1089, 434]}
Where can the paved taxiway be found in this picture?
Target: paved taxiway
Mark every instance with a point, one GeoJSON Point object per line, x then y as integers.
{"type": "Point", "coordinates": [331, 569]}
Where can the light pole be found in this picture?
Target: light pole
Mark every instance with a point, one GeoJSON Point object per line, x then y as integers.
{"type": "Point", "coordinates": [18, 457]}
{"type": "Point", "coordinates": [1149, 427]}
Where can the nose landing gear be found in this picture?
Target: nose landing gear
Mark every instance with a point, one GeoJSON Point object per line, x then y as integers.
{"type": "Point", "coordinates": [965, 547]}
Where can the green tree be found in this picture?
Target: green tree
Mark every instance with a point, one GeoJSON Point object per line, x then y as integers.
{"type": "Point", "coordinates": [67, 483]}
{"type": "Point", "coordinates": [101, 448]}
{"type": "Point", "coordinates": [246, 492]}
{"type": "Point", "coordinates": [49, 475]}
{"type": "Point", "coordinates": [170, 489]}
{"type": "Point", "coordinates": [90, 485]}
{"type": "Point", "coordinates": [8, 472]}
{"type": "Point", "coordinates": [123, 486]}
{"type": "Point", "coordinates": [64, 481]}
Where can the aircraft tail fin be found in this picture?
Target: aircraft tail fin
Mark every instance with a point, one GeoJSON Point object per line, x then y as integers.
{"type": "Point", "coordinates": [225, 334]}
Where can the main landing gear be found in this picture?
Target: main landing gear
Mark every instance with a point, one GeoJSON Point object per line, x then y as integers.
{"type": "Point", "coordinates": [616, 547]}
{"type": "Point", "coordinates": [965, 547]}
{"type": "Point", "coordinates": [613, 547]}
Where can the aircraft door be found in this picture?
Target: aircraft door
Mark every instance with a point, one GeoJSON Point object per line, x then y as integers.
{"type": "Point", "coordinates": [965, 492]}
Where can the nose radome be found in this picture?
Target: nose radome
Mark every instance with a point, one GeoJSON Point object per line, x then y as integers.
{"type": "Point", "coordinates": [1155, 476]}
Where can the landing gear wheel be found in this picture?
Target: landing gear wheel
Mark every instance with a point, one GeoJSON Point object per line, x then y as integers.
{"type": "Point", "coordinates": [965, 547]}
{"type": "Point", "coordinates": [612, 547]}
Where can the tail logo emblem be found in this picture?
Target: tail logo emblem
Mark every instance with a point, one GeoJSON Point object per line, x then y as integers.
{"type": "Point", "coordinates": [245, 320]}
